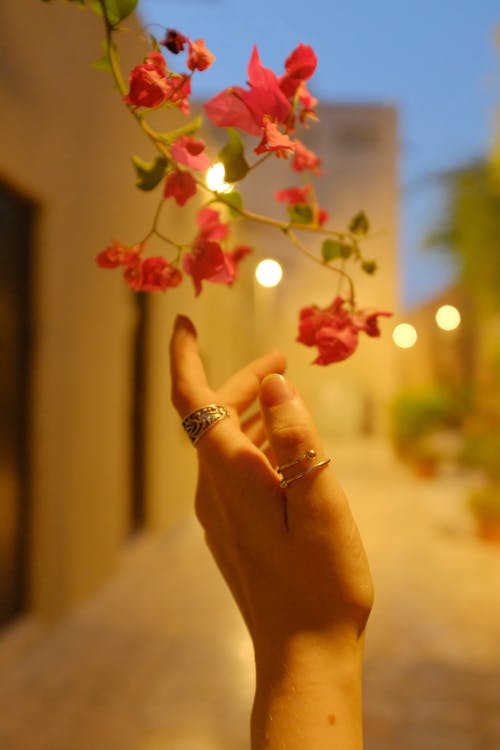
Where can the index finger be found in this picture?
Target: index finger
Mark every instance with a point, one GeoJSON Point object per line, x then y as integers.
{"type": "Point", "coordinates": [190, 389]}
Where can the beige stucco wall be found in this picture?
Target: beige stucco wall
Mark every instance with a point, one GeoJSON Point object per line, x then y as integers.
{"type": "Point", "coordinates": [60, 135]}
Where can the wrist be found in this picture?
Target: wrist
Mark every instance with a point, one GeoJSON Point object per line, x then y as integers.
{"type": "Point", "coordinates": [308, 694]}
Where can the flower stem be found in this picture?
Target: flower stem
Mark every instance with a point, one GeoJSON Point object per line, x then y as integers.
{"type": "Point", "coordinates": [343, 274]}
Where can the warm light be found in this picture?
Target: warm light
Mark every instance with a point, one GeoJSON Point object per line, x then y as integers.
{"type": "Point", "coordinates": [268, 272]}
{"type": "Point", "coordinates": [215, 179]}
{"type": "Point", "coordinates": [448, 318]}
{"type": "Point", "coordinates": [404, 335]}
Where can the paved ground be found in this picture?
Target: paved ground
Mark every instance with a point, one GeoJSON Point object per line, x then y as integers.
{"type": "Point", "coordinates": [159, 660]}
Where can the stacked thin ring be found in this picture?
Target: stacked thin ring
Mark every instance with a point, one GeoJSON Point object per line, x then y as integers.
{"type": "Point", "coordinates": [309, 455]}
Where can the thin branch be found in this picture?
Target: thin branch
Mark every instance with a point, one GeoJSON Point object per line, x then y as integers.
{"type": "Point", "coordinates": [299, 245]}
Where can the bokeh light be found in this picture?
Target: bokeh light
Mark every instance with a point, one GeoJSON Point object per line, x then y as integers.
{"type": "Point", "coordinates": [448, 317]}
{"type": "Point", "coordinates": [269, 272]}
{"type": "Point", "coordinates": [404, 335]}
{"type": "Point", "coordinates": [214, 179]}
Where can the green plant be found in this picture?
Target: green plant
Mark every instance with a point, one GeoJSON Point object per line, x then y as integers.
{"type": "Point", "coordinates": [481, 450]}
{"type": "Point", "coordinates": [469, 230]}
{"type": "Point", "coordinates": [485, 502]}
{"type": "Point", "coordinates": [414, 415]}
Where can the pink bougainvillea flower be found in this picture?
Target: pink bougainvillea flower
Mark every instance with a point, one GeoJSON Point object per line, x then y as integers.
{"type": "Point", "coordinates": [180, 185]}
{"type": "Point", "coordinates": [157, 274]}
{"type": "Point", "coordinates": [133, 277]}
{"type": "Point", "coordinates": [313, 318]}
{"type": "Point", "coordinates": [227, 109]}
{"type": "Point", "coordinates": [199, 57]}
{"type": "Point", "coordinates": [334, 329]}
{"type": "Point", "coordinates": [111, 256]}
{"type": "Point", "coordinates": [246, 109]}
{"type": "Point", "coordinates": [189, 151]}
{"type": "Point", "coordinates": [301, 63]}
{"type": "Point", "coordinates": [174, 41]}
{"type": "Point", "coordinates": [140, 274]}
{"type": "Point", "coordinates": [207, 261]}
{"type": "Point", "coordinates": [322, 216]}
{"type": "Point", "coordinates": [265, 97]}
{"type": "Point", "coordinates": [308, 102]}
{"type": "Point", "coordinates": [368, 322]}
{"type": "Point", "coordinates": [132, 256]}
{"type": "Point", "coordinates": [236, 255]}
{"type": "Point", "coordinates": [117, 254]}
{"type": "Point", "coordinates": [148, 85]}
{"type": "Point", "coordinates": [330, 329]}
{"type": "Point", "coordinates": [293, 195]}
{"type": "Point", "coordinates": [335, 344]}
{"type": "Point", "coordinates": [274, 140]}
{"type": "Point", "coordinates": [211, 227]}
{"type": "Point", "coordinates": [299, 67]}
{"type": "Point", "coordinates": [178, 91]}
{"type": "Point", "coordinates": [305, 159]}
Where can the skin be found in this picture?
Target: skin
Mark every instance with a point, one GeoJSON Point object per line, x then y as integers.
{"type": "Point", "coordinates": [292, 558]}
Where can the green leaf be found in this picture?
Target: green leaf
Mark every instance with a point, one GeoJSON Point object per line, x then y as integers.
{"type": "Point", "coordinates": [189, 128]}
{"type": "Point", "coordinates": [233, 157]}
{"type": "Point", "coordinates": [235, 202]}
{"type": "Point", "coordinates": [116, 10]}
{"type": "Point", "coordinates": [103, 62]}
{"type": "Point", "coordinates": [333, 249]}
{"type": "Point", "coordinates": [300, 213]}
{"type": "Point", "coordinates": [149, 174]}
{"type": "Point", "coordinates": [369, 266]}
{"type": "Point", "coordinates": [359, 224]}
{"type": "Point", "coordinates": [330, 250]}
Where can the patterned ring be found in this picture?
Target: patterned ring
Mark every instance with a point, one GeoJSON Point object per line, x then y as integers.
{"type": "Point", "coordinates": [198, 422]}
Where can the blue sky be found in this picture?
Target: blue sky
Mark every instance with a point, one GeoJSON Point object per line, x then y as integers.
{"type": "Point", "coordinates": [434, 59]}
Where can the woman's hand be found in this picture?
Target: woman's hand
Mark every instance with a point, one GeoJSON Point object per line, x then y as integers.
{"type": "Point", "coordinates": [292, 557]}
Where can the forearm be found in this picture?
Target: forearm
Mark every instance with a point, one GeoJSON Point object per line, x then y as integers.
{"type": "Point", "coordinates": [309, 697]}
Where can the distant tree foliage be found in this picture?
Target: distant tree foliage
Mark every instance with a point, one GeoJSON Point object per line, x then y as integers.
{"type": "Point", "coordinates": [469, 229]}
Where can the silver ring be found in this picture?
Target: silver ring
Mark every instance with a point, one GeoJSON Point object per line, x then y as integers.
{"type": "Point", "coordinates": [200, 421]}
{"type": "Point", "coordinates": [307, 456]}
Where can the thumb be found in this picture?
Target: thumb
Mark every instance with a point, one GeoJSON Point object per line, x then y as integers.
{"type": "Point", "coordinates": [291, 432]}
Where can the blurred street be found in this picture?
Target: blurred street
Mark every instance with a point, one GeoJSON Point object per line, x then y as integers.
{"type": "Point", "coordinates": [159, 660]}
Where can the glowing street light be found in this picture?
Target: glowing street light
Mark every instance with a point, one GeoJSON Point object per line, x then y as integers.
{"type": "Point", "coordinates": [269, 272]}
{"type": "Point", "coordinates": [214, 179]}
{"type": "Point", "coordinates": [404, 335]}
{"type": "Point", "coordinates": [448, 317]}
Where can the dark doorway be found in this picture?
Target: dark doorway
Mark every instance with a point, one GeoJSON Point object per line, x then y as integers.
{"type": "Point", "coordinates": [16, 239]}
{"type": "Point", "coordinates": [138, 504]}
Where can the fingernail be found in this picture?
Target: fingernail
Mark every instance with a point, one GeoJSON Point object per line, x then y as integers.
{"type": "Point", "coordinates": [182, 321]}
{"type": "Point", "coordinates": [274, 390]}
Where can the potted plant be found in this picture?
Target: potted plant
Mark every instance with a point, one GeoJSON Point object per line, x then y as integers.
{"type": "Point", "coordinates": [482, 451]}
{"type": "Point", "coordinates": [418, 418]}
{"type": "Point", "coordinates": [485, 505]}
